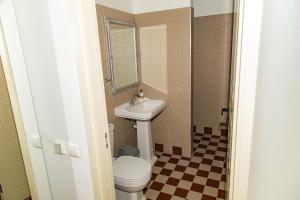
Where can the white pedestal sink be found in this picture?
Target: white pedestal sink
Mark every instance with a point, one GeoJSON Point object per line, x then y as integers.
{"type": "Point", "coordinates": [143, 112]}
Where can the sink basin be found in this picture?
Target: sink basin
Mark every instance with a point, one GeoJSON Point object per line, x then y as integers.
{"type": "Point", "coordinates": [142, 111]}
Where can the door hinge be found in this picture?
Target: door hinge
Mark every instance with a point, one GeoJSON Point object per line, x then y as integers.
{"type": "Point", "coordinates": [225, 110]}
{"type": "Point", "coordinates": [1, 193]}
{"type": "Point", "coordinates": [106, 140]}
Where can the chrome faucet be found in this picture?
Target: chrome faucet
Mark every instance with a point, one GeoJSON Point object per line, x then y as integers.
{"type": "Point", "coordinates": [134, 99]}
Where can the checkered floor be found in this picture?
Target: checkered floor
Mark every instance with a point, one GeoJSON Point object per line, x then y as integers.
{"type": "Point", "coordinates": [201, 177]}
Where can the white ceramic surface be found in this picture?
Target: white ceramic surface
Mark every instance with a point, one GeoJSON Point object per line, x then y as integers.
{"type": "Point", "coordinates": [131, 172]}
{"type": "Point", "coordinates": [142, 111]}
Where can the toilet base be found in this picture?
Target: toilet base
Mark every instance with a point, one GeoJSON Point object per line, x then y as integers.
{"type": "Point", "coordinates": [153, 160]}
{"type": "Point", "coordinates": [121, 195]}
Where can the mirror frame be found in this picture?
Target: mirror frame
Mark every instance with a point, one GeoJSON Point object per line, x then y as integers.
{"type": "Point", "coordinates": [107, 22]}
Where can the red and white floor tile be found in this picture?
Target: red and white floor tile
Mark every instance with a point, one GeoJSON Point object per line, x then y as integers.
{"type": "Point", "coordinates": [201, 177]}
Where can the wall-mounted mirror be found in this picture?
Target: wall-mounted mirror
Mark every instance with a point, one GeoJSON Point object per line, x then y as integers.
{"type": "Point", "coordinates": [121, 44]}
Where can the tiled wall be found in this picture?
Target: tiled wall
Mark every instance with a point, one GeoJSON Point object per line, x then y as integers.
{"type": "Point", "coordinates": [10, 152]}
{"type": "Point", "coordinates": [124, 133]}
{"type": "Point", "coordinates": [211, 70]}
{"type": "Point", "coordinates": [172, 127]}
{"type": "Point", "coordinates": [6, 115]}
{"type": "Point", "coordinates": [153, 49]}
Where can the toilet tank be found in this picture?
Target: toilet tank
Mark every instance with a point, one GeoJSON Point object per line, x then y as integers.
{"type": "Point", "coordinates": [111, 129]}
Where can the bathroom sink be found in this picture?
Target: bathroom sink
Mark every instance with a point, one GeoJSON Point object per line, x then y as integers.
{"type": "Point", "coordinates": [141, 111]}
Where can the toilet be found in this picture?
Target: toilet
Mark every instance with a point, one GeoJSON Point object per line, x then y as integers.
{"type": "Point", "coordinates": [131, 174]}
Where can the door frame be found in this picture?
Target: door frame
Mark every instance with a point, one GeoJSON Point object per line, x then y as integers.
{"type": "Point", "coordinates": [93, 96]}
{"type": "Point", "coordinates": [247, 59]}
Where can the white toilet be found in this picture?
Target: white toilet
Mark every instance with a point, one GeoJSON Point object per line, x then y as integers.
{"type": "Point", "coordinates": [131, 174]}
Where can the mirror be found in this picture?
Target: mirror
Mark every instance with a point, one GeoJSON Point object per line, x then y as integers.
{"type": "Point", "coordinates": [121, 44]}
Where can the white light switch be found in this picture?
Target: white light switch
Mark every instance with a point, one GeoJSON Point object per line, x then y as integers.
{"type": "Point", "coordinates": [74, 150]}
{"type": "Point", "coordinates": [59, 147]}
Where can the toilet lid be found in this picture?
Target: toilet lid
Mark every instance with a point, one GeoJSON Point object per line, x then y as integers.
{"type": "Point", "coordinates": [131, 168]}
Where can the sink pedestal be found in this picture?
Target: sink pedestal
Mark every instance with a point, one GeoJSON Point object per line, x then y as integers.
{"type": "Point", "coordinates": [144, 140]}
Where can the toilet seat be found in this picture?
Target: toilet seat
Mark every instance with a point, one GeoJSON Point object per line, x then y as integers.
{"type": "Point", "coordinates": [131, 172]}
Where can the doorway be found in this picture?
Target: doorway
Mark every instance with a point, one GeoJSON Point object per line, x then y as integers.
{"type": "Point", "coordinates": [211, 83]}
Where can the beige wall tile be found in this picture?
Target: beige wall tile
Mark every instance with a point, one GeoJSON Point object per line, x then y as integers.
{"type": "Point", "coordinates": [2, 78]}
{"type": "Point", "coordinates": [12, 166]}
{"type": "Point", "coordinates": [3, 92]}
{"type": "Point", "coordinates": [6, 114]}
{"type": "Point", "coordinates": [124, 133]}
{"type": "Point", "coordinates": [173, 126]}
{"type": "Point", "coordinates": [153, 56]}
{"type": "Point", "coordinates": [211, 69]}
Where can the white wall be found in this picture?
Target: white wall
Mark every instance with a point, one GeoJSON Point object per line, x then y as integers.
{"type": "Point", "coordinates": [275, 161]}
{"type": "Point", "coordinates": [144, 6]}
{"type": "Point", "coordinates": [201, 7]}
{"type": "Point", "coordinates": [123, 5]}
{"type": "Point", "coordinates": [212, 7]}
{"type": "Point", "coordinates": [48, 42]}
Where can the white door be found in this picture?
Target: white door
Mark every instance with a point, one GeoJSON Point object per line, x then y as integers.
{"type": "Point", "coordinates": [12, 172]}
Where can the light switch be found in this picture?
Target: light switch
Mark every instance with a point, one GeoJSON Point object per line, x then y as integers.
{"type": "Point", "coordinates": [59, 147]}
{"type": "Point", "coordinates": [74, 150]}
